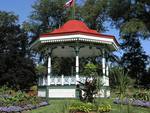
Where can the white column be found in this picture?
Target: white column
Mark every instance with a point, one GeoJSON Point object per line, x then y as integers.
{"type": "Point", "coordinates": [107, 74]}
{"type": "Point", "coordinates": [77, 64]}
{"type": "Point", "coordinates": [62, 80]}
{"type": "Point", "coordinates": [104, 67]}
{"type": "Point", "coordinates": [49, 69]}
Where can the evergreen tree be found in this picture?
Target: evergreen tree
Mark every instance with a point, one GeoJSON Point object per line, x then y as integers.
{"type": "Point", "coordinates": [134, 60]}
{"type": "Point", "coordinates": [93, 13]}
{"type": "Point", "coordinates": [16, 67]}
{"type": "Point", "coordinates": [131, 18]}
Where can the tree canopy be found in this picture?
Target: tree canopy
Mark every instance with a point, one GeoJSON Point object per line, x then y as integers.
{"type": "Point", "coordinates": [131, 18]}
{"type": "Point", "coordinates": [16, 67]}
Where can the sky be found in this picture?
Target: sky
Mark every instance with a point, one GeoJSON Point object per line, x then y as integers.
{"type": "Point", "coordinates": [23, 9]}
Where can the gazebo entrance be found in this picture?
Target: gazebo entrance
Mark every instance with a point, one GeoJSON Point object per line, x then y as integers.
{"type": "Point", "coordinates": [74, 39]}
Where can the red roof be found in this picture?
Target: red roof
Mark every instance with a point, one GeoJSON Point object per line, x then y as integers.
{"type": "Point", "coordinates": [75, 26]}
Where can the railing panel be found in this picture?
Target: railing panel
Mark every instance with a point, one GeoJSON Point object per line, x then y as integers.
{"type": "Point", "coordinates": [63, 80]}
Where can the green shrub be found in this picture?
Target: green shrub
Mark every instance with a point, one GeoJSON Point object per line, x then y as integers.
{"type": "Point", "coordinates": [89, 107]}
{"type": "Point", "coordinates": [144, 95]}
{"type": "Point", "coordinates": [4, 90]}
{"type": "Point", "coordinates": [82, 107]}
{"type": "Point", "coordinates": [19, 99]}
{"type": "Point", "coordinates": [104, 108]}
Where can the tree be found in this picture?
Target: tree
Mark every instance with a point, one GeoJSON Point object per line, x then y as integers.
{"type": "Point", "coordinates": [16, 67]}
{"type": "Point", "coordinates": [134, 60]}
{"type": "Point", "coordinates": [145, 79]}
{"type": "Point", "coordinates": [46, 16]}
{"type": "Point", "coordinates": [93, 13]}
{"type": "Point", "coordinates": [131, 17]}
{"type": "Point", "coordinates": [134, 12]}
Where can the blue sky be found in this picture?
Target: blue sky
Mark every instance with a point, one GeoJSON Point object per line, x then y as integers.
{"type": "Point", "coordinates": [23, 9]}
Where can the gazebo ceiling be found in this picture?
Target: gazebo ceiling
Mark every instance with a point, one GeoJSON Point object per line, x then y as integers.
{"type": "Point", "coordinates": [75, 32]}
{"type": "Point", "coordinates": [67, 51]}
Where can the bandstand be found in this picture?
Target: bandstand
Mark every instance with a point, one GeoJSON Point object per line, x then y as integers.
{"type": "Point", "coordinates": [73, 39]}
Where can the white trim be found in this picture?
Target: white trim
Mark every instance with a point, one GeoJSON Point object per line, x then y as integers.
{"type": "Point", "coordinates": [75, 37]}
{"type": "Point", "coordinates": [79, 37]}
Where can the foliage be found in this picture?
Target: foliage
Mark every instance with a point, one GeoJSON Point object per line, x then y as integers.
{"type": "Point", "coordinates": [122, 80]}
{"type": "Point", "coordinates": [92, 85]}
{"type": "Point", "coordinates": [16, 66]}
{"type": "Point", "coordinates": [90, 70]}
{"type": "Point", "coordinates": [134, 60]}
{"type": "Point", "coordinates": [142, 95]}
{"type": "Point", "coordinates": [63, 66]}
{"type": "Point", "coordinates": [95, 19]}
{"type": "Point", "coordinates": [82, 107]}
{"type": "Point", "coordinates": [89, 88]}
{"type": "Point", "coordinates": [122, 83]}
{"type": "Point", "coordinates": [44, 18]}
{"type": "Point", "coordinates": [131, 18]}
{"type": "Point", "coordinates": [18, 101]}
{"type": "Point", "coordinates": [4, 90]}
{"type": "Point", "coordinates": [89, 107]}
{"type": "Point", "coordinates": [41, 70]}
{"type": "Point", "coordinates": [104, 108]}
{"type": "Point", "coordinates": [145, 78]}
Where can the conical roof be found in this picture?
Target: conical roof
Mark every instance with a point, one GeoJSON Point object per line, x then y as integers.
{"type": "Point", "coordinates": [73, 27]}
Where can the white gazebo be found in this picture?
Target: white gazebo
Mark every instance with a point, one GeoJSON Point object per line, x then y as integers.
{"type": "Point", "coordinates": [73, 39]}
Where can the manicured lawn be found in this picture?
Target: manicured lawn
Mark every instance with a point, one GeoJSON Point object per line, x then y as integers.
{"type": "Point", "coordinates": [57, 106]}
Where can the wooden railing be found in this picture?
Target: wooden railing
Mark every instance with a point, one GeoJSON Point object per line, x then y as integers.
{"type": "Point", "coordinates": [66, 80]}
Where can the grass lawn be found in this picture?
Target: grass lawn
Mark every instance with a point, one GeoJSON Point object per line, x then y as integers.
{"type": "Point", "coordinates": [57, 106]}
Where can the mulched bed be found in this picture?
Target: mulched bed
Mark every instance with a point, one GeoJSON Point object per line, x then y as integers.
{"type": "Point", "coordinates": [133, 102]}
{"type": "Point", "coordinates": [18, 109]}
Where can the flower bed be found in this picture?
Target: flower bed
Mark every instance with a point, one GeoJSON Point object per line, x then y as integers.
{"type": "Point", "coordinates": [133, 102]}
{"type": "Point", "coordinates": [81, 107]}
{"type": "Point", "coordinates": [15, 109]}
{"type": "Point", "coordinates": [19, 101]}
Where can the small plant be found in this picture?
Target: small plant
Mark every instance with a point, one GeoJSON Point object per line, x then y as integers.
{"type": "Point", "coordinates": [89, 107]}
{"type": "Point", "coordinates": [122, 83]}
{"type": "Point", "coordinates": [145, 96]}
{"type": "Point", "coordinates": [18, 101]}
{"type": "Point", "coordinates": [104, 108]}
{"type": "Point", "coordinates": [82, 107]}
{"type": "Point", "coordinates": [90, 70]}
{"type": "Point", "coordinates": [89, 88]}
{"type": "Point", "coordinates": [41, 70]}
